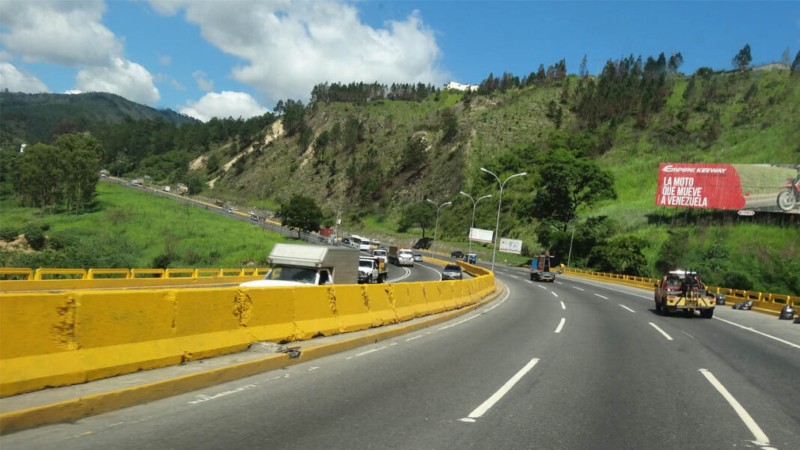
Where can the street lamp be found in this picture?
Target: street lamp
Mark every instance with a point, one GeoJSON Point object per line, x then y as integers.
{"type": "Point", "coordinates": [436, 230]}
{"type": "Point", "coordinates": [474, 204]}
{"type": "Point", "coordinates": [569, 257]}
{"type": "Point", "coordinates": [499, 204]}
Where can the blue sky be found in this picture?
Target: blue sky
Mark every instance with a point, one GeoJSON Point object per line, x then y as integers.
{"type": "Point", "coordinates": [214, 58]}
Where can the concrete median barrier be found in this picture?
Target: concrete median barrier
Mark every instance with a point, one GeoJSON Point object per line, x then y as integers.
{"type": "Point", "coordinates": [63, 338]}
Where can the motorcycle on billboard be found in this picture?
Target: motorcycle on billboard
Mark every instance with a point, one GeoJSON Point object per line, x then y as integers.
{"type": "Point", "coordinates": [789, 197]}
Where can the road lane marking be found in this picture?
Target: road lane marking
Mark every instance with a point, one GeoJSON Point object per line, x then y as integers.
{"type": "Point", "coordinates": [759, 332]}
{"type": "Point", "coordinates": [602, 296]}
{"type": "Point", "coordinates": [669, 338]}
{"type": "Point", "coordinates": [540, 286]}
{"type": "Point", "coordinates": [414, 338]}
{"type": "Point", "coordinates": [498, 303]}
{"type": "Point", "coordinates": [560, 325]}
{"type": "Point", "coordinates": [554, 294]}
{"type": "Point", "coordinates": [623, 306]}
{"type": "Point", "coordinates": [563, 306]}
{"type": "Point", "coordinates": [486, 405]}
{"type": "Point", "coordinates": [761, 438]}
{"type": "Point", "coordinates": [580, 289]}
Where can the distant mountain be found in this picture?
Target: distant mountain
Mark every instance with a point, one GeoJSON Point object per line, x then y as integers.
{"type": "Point", "coordinates": [37, 117]}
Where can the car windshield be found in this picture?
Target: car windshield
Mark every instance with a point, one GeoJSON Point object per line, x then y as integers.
{"type": "Point", "coordinates": [299, 274]}
{"type": "Point", "coordinates": [367, 264]}
{"type": "Point", "coordinates": [452, 268]}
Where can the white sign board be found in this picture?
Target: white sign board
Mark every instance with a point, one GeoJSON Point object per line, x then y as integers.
{"type": "Point", "coordinates": [478, 235]}
{"type": "Point", "coordinates": [511, 246]}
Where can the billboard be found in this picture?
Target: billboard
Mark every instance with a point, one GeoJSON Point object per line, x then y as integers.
{"type": "Point", "coordinates": [478, 235]}
{"type": "Point", "coordinates": [743, 187]}
{"type": "Point", "coordinates": [510, 246]}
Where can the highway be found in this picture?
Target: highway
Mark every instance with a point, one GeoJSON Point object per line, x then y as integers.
{"type": "Point", "coordinates": [575, 364]}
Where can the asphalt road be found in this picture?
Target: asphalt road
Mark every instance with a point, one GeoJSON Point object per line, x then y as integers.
{"type": "Point", "coordinates": [574, 364]}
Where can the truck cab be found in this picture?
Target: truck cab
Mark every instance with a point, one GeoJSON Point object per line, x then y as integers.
{"type": "Point", "coordinates": [368, 270]}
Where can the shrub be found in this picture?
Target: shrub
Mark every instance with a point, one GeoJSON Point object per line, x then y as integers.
{"type": "Point", "coordinates": [35, 237]}
{"type": "Point", "coordinates": [9, 234]}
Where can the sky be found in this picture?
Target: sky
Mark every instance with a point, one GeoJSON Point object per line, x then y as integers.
{"type": "Point", "coordinates": [238, 58]}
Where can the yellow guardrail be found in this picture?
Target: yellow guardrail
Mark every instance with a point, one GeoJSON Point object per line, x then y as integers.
{"type": "Point", "coordinates": [24, 279]}
{"type": "Point", "coordinates": [767, 302]}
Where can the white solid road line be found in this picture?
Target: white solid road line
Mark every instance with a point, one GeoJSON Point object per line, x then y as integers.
{"type": "Point", "coordinates": [560, 325]}
{"type": "Point", "coordinates": [485, 406]}
{"type": "Point", "coordinates": [761, 438]}
{"type": "Point", "coordinates": [669, 338]}
{"type": "Point", "coordinates": [761, 333]}
{"type": "Point", "coordinates": [623, 306]}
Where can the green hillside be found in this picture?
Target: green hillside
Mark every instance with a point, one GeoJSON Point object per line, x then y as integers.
{"type": "Point", "coordinates": [372, 158]}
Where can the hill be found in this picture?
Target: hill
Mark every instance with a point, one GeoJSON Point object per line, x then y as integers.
{"type": "Point", "coordinates": [369, 155]}
{"type": "Point", "coordinates": [37, 117]}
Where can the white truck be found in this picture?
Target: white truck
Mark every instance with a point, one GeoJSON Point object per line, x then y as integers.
{"type": "Point", "coordinates": [309, 265]}
{"type": "Point", "coordinates": [401, 256]}
{"type": "Point", "coordinates": [368, 270]}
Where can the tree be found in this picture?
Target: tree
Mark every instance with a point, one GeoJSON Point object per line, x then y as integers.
{"type": "Point", "coordinates": [449, 125]}
{"type": "Point", "coordinates": [786, 57]}
{"type": "Point", "coordinates": [302, 213]}
{"type": "Point", "coordinates": [567, 183]}
{"type": "Point", "coordinates": [421, 215]}
{"type": "Point", "coordinates": [796, 63]}
{"type": "Point", "coordinates": [583, 71]}
{"type": "Point", "coordinates": [622, 254]}
{"type": "Point", "coordinates": [742, 59]}
{"type": "Point", "coordinates": [40, 175]}
{"type": "Point", "coordinates": [82, 155]}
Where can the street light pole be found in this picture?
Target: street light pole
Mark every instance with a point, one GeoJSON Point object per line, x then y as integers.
{"type": "Point", "coordinates": [569, 257]}
{"type": "Point", "coordinates": [436, 230]}
{"type": "Point", "coordinates": [474, 204]}
{"type": "Point", "coordinates": [499, 204]}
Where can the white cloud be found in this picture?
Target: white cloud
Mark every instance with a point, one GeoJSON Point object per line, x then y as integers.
{"type": "Point", "coordinates": [59, 32]}
{"type": "Point", "coordinates": [123, 77]}
{"type": "Point", "coordinates": [222, 105]}
{"type": "Point", "coordinates": [70, 33]}
{"type": "Point", "coordinates": [290, 46]}
{"type": "Point", "coordinates": [165, 60]}
{"type": "Point", "coordinates": [16, 81]}
{"type": "Point", "coordinates": [202, 81]}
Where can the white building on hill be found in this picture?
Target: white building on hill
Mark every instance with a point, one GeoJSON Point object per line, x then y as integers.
{"type": "Point", "coordinates": [461, 87]}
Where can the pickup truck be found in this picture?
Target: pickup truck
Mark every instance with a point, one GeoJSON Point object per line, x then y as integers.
{"type": "Point", "coordinates": [682, 290]}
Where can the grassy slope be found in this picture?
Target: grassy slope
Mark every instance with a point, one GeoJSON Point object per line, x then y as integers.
{"type": "Point", "coordinates": [147, 226]}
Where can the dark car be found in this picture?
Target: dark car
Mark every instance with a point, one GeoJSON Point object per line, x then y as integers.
{"type": "Point", "coordinates": [423, 244]}
{"type": "Point", "coordinates": [720, 299]}
{"type": "Point", "coordinates": [458, 254]}
{"type": "Point", "coordinates": [346, 241]}
{"type": "Point", "coordinates": [452, 272]}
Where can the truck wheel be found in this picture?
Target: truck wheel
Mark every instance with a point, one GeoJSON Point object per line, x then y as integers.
{"type": "Point", "coordinates": [658, 308]}
{"type": "Point", "coordinates": [707, 313]}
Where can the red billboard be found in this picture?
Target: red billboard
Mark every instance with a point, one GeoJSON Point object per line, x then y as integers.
{"type": "Point", "coordinates": [752, 187]}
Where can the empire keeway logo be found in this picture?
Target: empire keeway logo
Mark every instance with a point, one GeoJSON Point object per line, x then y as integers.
{"type": "Point", "coordinates": [669, 168]}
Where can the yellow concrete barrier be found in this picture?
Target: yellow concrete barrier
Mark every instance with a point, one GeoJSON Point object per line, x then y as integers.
{"type": "Point", "coordinates": [60, 338]}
